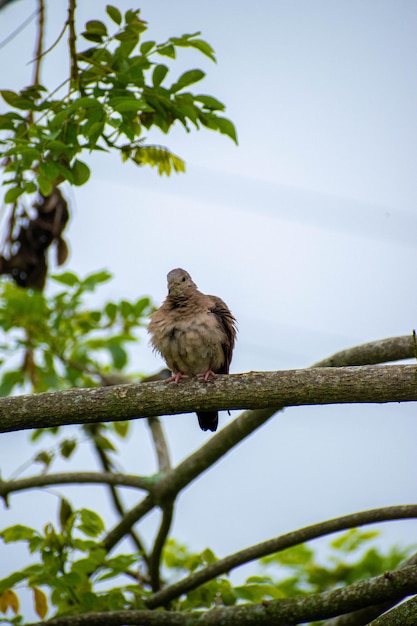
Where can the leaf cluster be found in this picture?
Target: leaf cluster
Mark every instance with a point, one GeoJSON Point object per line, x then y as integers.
{"type": "Point", "coordinates": [57, 341]}
{"type": "Point", "coordinates": [118, 90]}
{"type": "Point", "coordinates": [71, 565]}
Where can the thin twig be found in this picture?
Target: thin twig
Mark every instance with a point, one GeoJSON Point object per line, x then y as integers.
{"type": "Point", "coordinates": [19, 29]}
{"type": "Point", "coordinates": [160, 444]}
{"type": "Point", "coordinates": [155, 558]}
{"type": "Point", "coordinates": [72, 44]}
{"type": "Point", "coordinates": [39, 42]}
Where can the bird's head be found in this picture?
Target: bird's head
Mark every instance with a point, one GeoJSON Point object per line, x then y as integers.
{"type": "Point", "coordinates": [179, 282]}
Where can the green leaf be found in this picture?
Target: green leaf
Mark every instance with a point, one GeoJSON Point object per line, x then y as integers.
{"type": "Point", "coordinates": [124, 104]}
{"type": "Point", "coordinates": [66, 278]}
{"type": "Point", "coordinates": [147, 46]}
{"type": "Point", "coordinates": [13, 194]}
{"type": "Point", "coordinates": [226, 127]}
{"type": "Point", "coordinates": [96, 27]}
{"type": "Point", "coordinates": [81, 172]}
{"type": "Point", "coordinates": [90, 524]}
{"type": "Point", "coordinates": [210, 103]}
{"type": "Point", "coordinates": [114, 14]}
{"type": "Point", "coordinates": [92, 280]}
{"type": "Point", "coordinates": [65, 512]}
{"type": "Point", "coordinates": [167, 51]}
{"type": "Point", "coordinates": [67, 447]}
{"type": "Point", "coordinates": [9, 381]}
{"type": "Point", "coordinates": [204, 47]}
{"type": "Point", "coordinates": [17, 533]}
{"type": "Point", "coordinates": [119, 356]}
{"type": "Point", "coordinates": [141, 305]}
{"type": "Point", "coordinates": [159, 74]}
{"type": "Point", "coordinates": [18, 101]}
{"type": "Point", "coordinates": [44, 184]}
{"type": "Point", "coordinates": [12, 580]}
{"type": "Point", "coordinates": [188, 78]}
{"type": "Point", "coordinates": [122, 428]}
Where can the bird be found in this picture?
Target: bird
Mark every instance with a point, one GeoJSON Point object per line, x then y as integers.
{"type": "Point", "coordinates": [195, 334]}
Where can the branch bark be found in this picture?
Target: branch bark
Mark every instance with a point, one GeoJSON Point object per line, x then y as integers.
{"type": "Point", "coordinates": [71, 478]}
{"type": "Point", "coordinates": [253, 390]}
{"type": "Point", "coordinates": [403, 615]}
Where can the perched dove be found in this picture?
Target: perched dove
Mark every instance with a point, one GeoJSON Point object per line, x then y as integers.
{"type": "Point", "coordinates": [194, 333]}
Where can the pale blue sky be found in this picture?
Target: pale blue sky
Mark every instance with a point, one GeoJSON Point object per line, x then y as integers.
{"type": "Point", "coordinates": [307, 230]}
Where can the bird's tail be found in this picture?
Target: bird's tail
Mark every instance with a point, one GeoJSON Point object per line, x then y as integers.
{"type": "Point", "coordinates": [208, 420]}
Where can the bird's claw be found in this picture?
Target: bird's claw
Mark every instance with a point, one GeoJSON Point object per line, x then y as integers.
{"type": "Point", "coordinates": [206, 375]}
{"type": "Point", "coordinates": [176, 378]}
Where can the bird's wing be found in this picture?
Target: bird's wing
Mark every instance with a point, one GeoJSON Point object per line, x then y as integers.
{"type": "Point", "coordinates": [227, 323]}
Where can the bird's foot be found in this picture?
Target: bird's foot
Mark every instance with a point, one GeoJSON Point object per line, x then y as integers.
{"type": "Point", "coordinates": [206, 375]}
{"type": "Point", "coordinates": [176, 378]}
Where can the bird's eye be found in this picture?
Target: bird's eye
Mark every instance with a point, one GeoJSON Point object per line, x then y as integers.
{"type": "Point", "coordinates": [183, 279]}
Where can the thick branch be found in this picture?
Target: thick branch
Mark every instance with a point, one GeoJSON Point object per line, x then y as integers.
{"type": "Point", "coordinates": [364, 616]}
{"type": "Point", "coordinates": [254, 390]}
{"type": "Point", "coordinates": [278, 544]}
{"type": "Point", "coordinates": [389, 586]}
{"type": "Point", "coordinates": [403, 615]}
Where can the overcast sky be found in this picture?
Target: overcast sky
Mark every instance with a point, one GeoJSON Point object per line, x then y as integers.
{"type": "Point", "coordinates": [307, 230]}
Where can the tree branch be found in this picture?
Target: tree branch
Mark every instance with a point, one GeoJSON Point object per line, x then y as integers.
{"type": "Point", "coordinates": [221, 443]}
{"type": "Point", "coordinates": [380, 351]}
{"type": "Point", "coordinates": [390, 586]}
{"type": "Point", "coordinates": [254, 390]}
{"type": "Point", "coordinates": [155, 558]}
{"type": "Point", "coordinates": [105, 478]}
{"type": "Point", "coordinates": [164, 464]}
{"type": "Point", "coordinates": [72, 44]}
{"type": "Point", "coordinates": [364, 616]}
{"type": "Point", "coordinates": [403, 615]}
{"type": "Point", "coordinates": [277, 545]}
{"type": "Point", "coordinates": [160, 444]}
{"type": "Point", "coordinates": [170, 484]}
{"type": "Point", "coordinates": [39, 42]}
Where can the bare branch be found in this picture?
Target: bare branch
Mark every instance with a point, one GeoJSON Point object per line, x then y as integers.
{"type": "Point", "coordinates": [164, 464]}
{"type": "Point", "coordinates": [160, 444]}
{"type": "Point", "coordinates": [70, 478]}
{"type": "Point", "coordinates": [39, 42]}
{"type": "Point", "coordinates": [155, 558]}
{"type": "Point", "coordinates": [72, 44]}
{"type": "Point", "coordinates": [381, 351]}
{"type": "Point", "coordinates": [277, 545]}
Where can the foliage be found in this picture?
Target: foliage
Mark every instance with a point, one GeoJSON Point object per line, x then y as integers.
{"type": "Point", "coordinates": [74, 570]}
{"type": "Point", "coordinates": [56, 341]}
{"type": "Point", "coordinates": [118, 89]}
